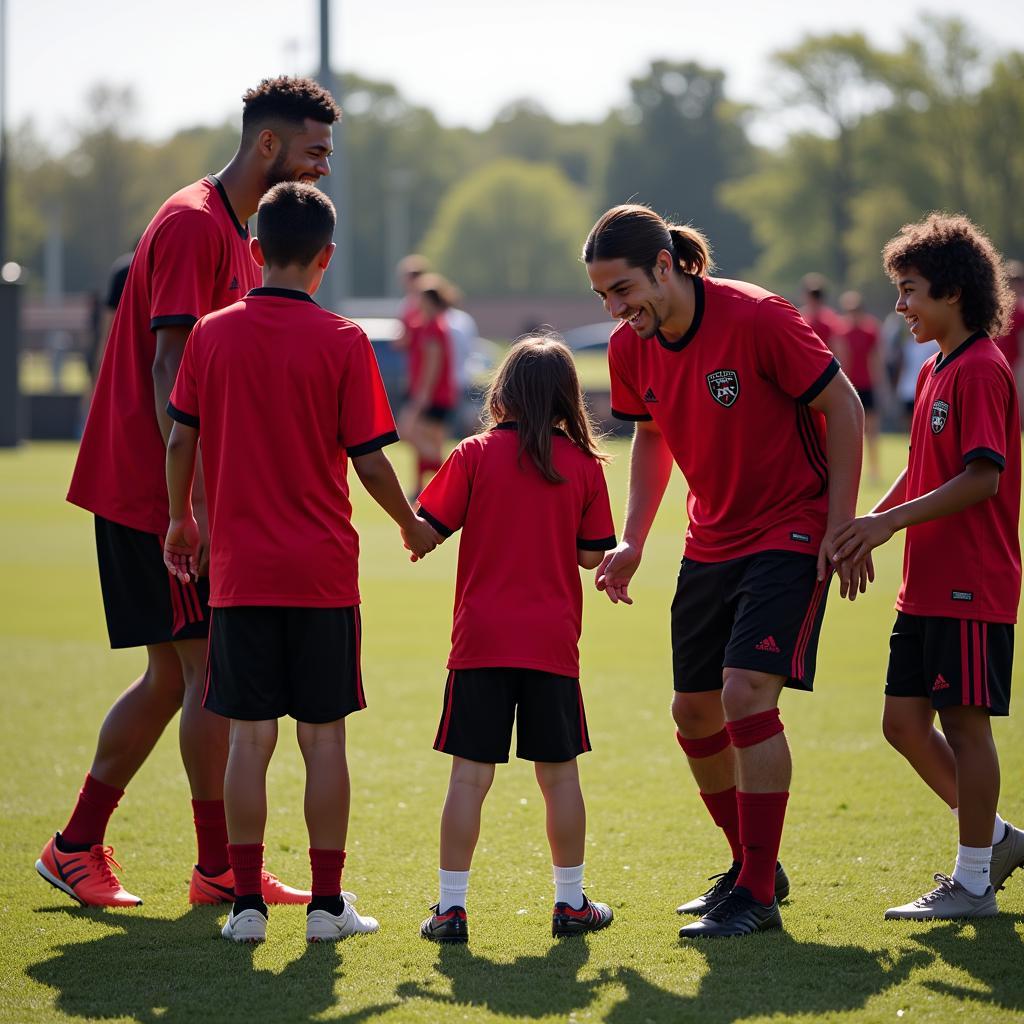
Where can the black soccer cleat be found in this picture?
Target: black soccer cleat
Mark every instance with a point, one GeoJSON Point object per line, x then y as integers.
{"type": "Point", "coordinates": [738, 914]}
{"type": "Point", "coordinates": [451, 926]}
{"type": "Point", "coordinates": [723, 886]}
{"type": "Point", "coordinates": [591, 917]}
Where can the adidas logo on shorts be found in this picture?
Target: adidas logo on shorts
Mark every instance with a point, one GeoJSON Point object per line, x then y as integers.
{"type": "Point", "coordinates": [768, 645]}
{"type": "Point", "coordinates": [940, 683]}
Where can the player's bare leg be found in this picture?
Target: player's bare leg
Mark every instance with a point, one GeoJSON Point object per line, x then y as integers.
{"type": "Point", "coordinates": [328, 796]}
{"type": "Point", "coordinates": [460, 829]}
{"type": "Point", "coordinates": [138, 718]}
{"type": "Point", "coordinates": [764, 771]}
{"type": "Point", "coordinates": [908, 723]}
{"type": "Point", "coordinates": [202, 735]}
{"type": "Point", "coordinates": [699, 715]}
{"type": "Point", "coordinates": [968, 892]}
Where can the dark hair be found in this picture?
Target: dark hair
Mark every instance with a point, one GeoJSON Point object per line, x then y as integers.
{"type": "Point", "coordinates": [953, 254]}
{"type": "Point", "coordinates": [637, 234]}
{"type": "Point", "coordinates": [286, 99]}
{"type": "Point", "coordinates": [814, 284]}
{"type": "Point", "coordinates": [436, 289]}
{"type": "Point", "coordinates": [537, 387]}
{"type": "Point", "coordinates": [294, 222]}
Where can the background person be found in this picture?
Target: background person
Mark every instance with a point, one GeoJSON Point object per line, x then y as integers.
{"type": "Point", "coordinates": [859, 355]}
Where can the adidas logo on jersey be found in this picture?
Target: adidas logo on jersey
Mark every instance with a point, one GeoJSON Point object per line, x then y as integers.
{"type": "Point", "coordinates": [940, 683]}
{"type": "Point", "coordinates": [768, 645]}
{"type": "Point", "coordinates": [649, 396]}
{"type": "Point", "coordinates": [233, 287]}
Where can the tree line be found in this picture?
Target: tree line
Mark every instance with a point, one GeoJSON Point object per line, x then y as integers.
{"type": "Point", "coordinates": [877, 137]}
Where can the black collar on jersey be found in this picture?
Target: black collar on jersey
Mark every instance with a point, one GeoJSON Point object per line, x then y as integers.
{"type": "Point", "coordinates": [698, 315]}
{"type": "Point", "coordinates": [513, 425]}
{"type": "Point", "coordinates": [242, 230]}
{"type": "Point", "coordinates": [284, 293]}
{"type": "Point", "coordinates": [941, 364]}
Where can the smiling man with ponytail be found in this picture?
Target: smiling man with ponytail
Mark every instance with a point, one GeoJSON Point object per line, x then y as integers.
{"type": "Point", "coordinates": [727, 380]}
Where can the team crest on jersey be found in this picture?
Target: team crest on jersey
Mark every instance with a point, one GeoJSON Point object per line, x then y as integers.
{"type": "Point", "coordinates": [940, 413]}
{"type": "Point", "coordinates": [724, 386]}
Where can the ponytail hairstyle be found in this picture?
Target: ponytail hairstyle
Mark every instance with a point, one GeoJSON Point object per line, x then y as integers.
{"type": "Point", "coordinates": [537, 387]}
{"type": "Point", "coordinates": [637, 234]}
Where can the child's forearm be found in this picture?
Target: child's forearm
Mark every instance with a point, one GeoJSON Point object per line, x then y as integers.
{"type": "Point", "coordinates": [180, 468]}
{"type": "Point", "coordinates": [896, 494]}
{"type": "Point", "coordinates": [978, 481]}
{"type": "Point", "coordinates": [378, 477]}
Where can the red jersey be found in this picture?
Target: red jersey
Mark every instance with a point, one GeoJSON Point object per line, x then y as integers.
{"type": "Point", "coordinates": [967, 565]}
{"type": "Point", "coordinates": [1009, 343]}
{"type": "Point", "coordinates": [282, 393]}
{"type": "Point", "coordinates": [432, 332]}
{"type": "Point", "coordinates": [731, 400]}
{"type": "Point", "coordinates": [518, 596]}
{"type": "Point", "coordinates": [826, 323]}
{"type": "Point", "coordinates": [192, 259]}
{"type": "Point", "coordinates": [860, 335]}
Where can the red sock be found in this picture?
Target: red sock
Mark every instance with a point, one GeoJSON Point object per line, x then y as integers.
{"type": "Point", "coordinates": [326, 866]}
{"type": "Point", "coordinates": [88, 823]}
{"type": "Point", "coordinates": [211, 836]}
{"type": "Point", "coordinates": [726, 815]}
{"type": "Point", "coordinates": [761, 819]}
{"type": "Point", "coordinates": [246, 861]}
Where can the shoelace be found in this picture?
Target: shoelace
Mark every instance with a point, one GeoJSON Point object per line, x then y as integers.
{"type": "Point", "coordinates": [104, 857]}
{"type": "Point", "coordinates": [727, 907]}
{"type": "Point", "coordinates": [945, 888]}
{"type": "Point", "coordinates": [724, 878]}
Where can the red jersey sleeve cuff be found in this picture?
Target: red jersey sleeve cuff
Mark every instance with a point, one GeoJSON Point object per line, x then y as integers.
{"type": "Point", "coordinates": [184, 418]}
{"type": "Point", "coordinates": [372, 446]}
{"type": "Point", "coordinates": [604, 544]}
{"type": "Point", "coordinates": [985, 453]}
{"type": "Point", "coordinates": [821, 383]}
{"type": "Point", "coordinates": [631, 417]}
{"type": "Point", "coordinates": [177, 320]}
{"type": "Point", "coordinates": [435, 523]}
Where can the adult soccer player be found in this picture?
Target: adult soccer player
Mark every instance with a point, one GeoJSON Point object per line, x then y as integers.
{"type": "Point", "coordinates": [193, 258]}
{"type": "Point", "coordinates": [729, 381]}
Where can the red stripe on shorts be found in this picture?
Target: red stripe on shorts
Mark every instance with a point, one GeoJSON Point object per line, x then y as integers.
{"type": "Point", "coordinates": [984, 663]}
{"type": "Point", "coordinates": [807, 628]}
{"type": "Point", "coordinates": [584, 739]}
{"type": "Point", "coordinates": [192, 599]}
{"type": "Point", "coordinates": [977, 664]}
{"type": "Point", "coordinates": [965, 668]}
{"type": "Point", "coordinates": [442, 733]}
{"type": "Point", "coordinates": [359, 663]}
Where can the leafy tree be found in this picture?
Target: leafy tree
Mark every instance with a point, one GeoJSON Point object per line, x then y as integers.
{"type": "Point", "coordinates": [673, 148]}
{"type": "Point", "coordinates": [511, 228]}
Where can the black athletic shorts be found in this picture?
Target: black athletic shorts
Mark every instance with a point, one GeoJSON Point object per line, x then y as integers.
{"type": "Point", "coordinates": [268, 662]}
{"type": "Point", "coordinates": [952, 662]}
{"type": "Point", "coordinates": [480, 705]}
{"type": "Point", "coordinates": [440, 413]}
{"type": "Point", "coordinates": [143, 602]}
{"type": "Point", "coordinates": [762, 612]}
{"type": "Point", "coordinates": [867, 398]}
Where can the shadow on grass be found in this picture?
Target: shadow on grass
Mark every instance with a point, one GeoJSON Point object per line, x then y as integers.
{"type": "Point", "coordinates": [990, 951]}
{"type": "Point", "coordinates": [530, 986]}
{"type": "Point", "coordinates": [760, 976]}
{"type": "Point", "coordinates": [181, 971]}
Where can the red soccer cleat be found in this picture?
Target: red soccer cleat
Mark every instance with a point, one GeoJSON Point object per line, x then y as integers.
{"type": "Point", "coordinates": [85, 875]}
{"type": "Point", "coordinates": [221, 889]}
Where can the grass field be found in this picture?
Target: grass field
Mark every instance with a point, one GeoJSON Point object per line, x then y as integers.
{"type": "Point", "coordinates": [862, 832]}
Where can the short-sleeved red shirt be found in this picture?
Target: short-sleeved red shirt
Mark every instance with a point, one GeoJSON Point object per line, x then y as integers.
{"type": "Point", "coordinates": [192, 259]}
{"type": "Point", "coordinates": [860, 335]}
{"type": "Point", "coordinates": [518, 596]}
{"type": "Point", "coordinates": [282, 392]}
{"type": "Point", "coordinates": [825, 322]}
{"type": "Point", "coordinates": [967, 565]}
{"type": "Point", "coordinates": [731, 400]}
{"type": "Point", "coordinates": [1009, 343]}
{"type": "Point", "coordinates": [432, 332]}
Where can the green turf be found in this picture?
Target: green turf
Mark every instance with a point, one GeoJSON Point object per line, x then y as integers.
{"type": "Point", "coordinates": [862, 832]}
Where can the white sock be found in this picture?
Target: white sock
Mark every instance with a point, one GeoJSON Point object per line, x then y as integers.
{"type": "Point", "coordinates": [972, 868]}
{"type": "Point", "coordinates": [454, 886]}
{"type": "Point", "coordinates": [998, 829]}
{"type": "Point", "coordinates": [569, 886]}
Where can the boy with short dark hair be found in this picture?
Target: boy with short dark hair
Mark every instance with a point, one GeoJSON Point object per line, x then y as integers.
{"type": "Point", "coordinates": [283, 393]}
{"type": "Point", "coordinates": [951, 648]}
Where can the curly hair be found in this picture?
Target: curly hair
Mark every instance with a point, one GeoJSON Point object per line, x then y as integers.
{"type": "Point", "coordinates": [287, 99]}
{"type": "Point", "coordinates": [953, 254]}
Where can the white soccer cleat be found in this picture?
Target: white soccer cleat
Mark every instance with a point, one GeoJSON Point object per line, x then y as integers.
{"type": "Point", "coordinates": [324, 927]}
{"type": "Point", "coordinates": [248, 926]}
